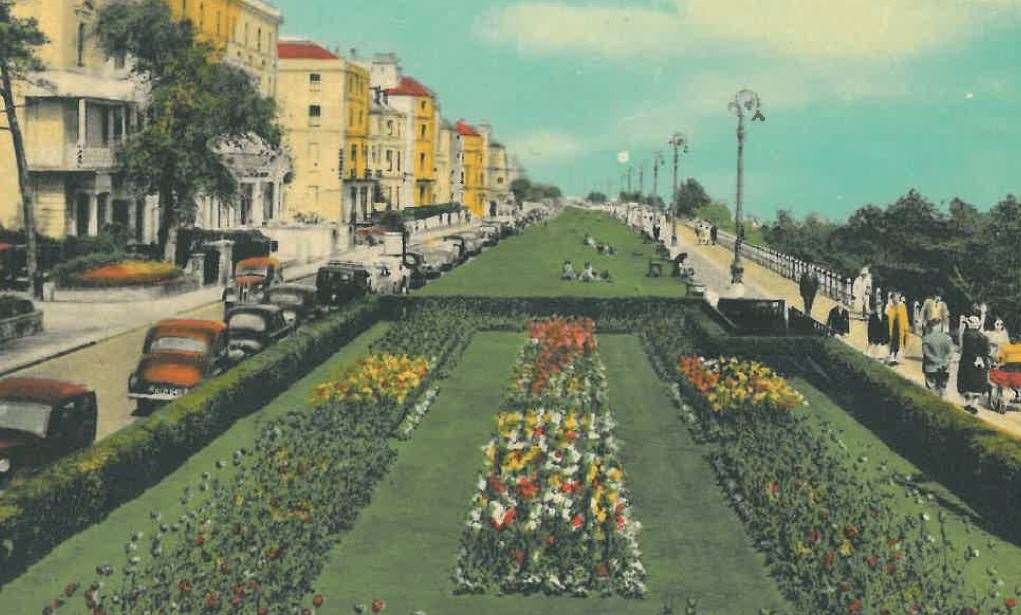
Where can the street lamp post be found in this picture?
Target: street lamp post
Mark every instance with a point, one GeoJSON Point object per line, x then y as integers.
{"type": "Point", "coordinates": [657, 160]}
{"type": "Point", "coordinates": [680, 143]}
{"type": "Point", "coordinates": [745, 102]}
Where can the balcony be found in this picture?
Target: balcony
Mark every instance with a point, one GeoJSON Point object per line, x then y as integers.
{"type": "Point", "coordinates": [90, 158]}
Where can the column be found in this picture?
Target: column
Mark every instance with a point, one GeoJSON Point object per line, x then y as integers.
{"type": "Point", "coordinates": [93, 214]}
{"type": "Point", "coordinates": [108, 209]}
{"type": "Point", "coordinates": [82, 123]}
{"type": "Point", "coordinates": [132, 218]}
{"type": "Point", "coordinates": [255, 212]}
{"type": "Point", "coordinates": [124, 123]}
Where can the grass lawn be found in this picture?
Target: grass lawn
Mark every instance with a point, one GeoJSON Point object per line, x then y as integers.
{"type": "Point", "coordinates": [529, 265]}
{"type": "Point", "coordinates": [404, 546]}
{"type": "Point", "coordinates": [884, 463]}
{"type": "Point", "coordinates": [77, 557]}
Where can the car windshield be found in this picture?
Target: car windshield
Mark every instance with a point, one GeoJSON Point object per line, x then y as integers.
{"type": "Point", "coordinates": [289, 299]}
{"type": "Point", "coordinates": [25, 416]}
{"type": "Point", "coordinates": [248, 322]}
{"type": "Point", "coordinates": [178, 344]}
{"type": "Point", "coordinates": [252, 270]}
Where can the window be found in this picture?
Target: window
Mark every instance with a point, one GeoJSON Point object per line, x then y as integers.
{"type": "Point", "coordinates": [354, 154]}
{"type": "Point", "coordinates": [390, 127]}
{"type": "Point", "coordinates": [81, 44]}
{"type": "Point", "coordinates": [314, 80]}
{"type": "Point", "coordinates": [424, 129]}
{"type": "Point", "coordinates": [258, 40]}
{"type": "Point", "coordinates": [202, 16]}
{"type": "Point", "coordinates": [423, 105]}
{"type": "Point", "coordinates": [314, 113]}
{"type": "Point", "coordinates": [389, 160]}
{"type": "Point", "coordinates": [421, 162]}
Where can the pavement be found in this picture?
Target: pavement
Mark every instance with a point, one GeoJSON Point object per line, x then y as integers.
{"type": "Point", "coordinates": [99, 344]}
{"type": "Point", "coordinates": [712, 265]}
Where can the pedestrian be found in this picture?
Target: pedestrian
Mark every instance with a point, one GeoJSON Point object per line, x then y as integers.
{"type": "Point", "coordinates": [859, 294]}
{"type": "Point", "coordinates": [588, 274]}
{"type": "Point", "coordinates": [808, 285]}
{"type": "Point", "coordinates": [929, 310]}
{"type": "Point", "coordinates": [567, 271]}
{"type": "Point", "coordinates": [876, 330]}
{"type": "Point", "coordinates": [937, 351]}
{"type": "Point", "coordinates": [972, 379]}
{"type": "Point", "coordinates": [655, 231]}
{"type": "Point", "coordinates": [713, 234]}
{"type": "Point", "coordinates": [917, 324]}
{"type": "Point", "coordinates": [962, 326]}
{"type": "Point", "coordinates": [999, 337]}
{"type": "Point", "coordinates": [897, 323]}
{"type": "Point", "coordinates": [839, 320]}
{"type": "Point", "coordinates": [943, 313]}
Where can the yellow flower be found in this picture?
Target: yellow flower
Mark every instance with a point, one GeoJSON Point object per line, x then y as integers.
{"type": "Point", "coordinates": [845, 548]}
{"type": "Point", "coordinates": [614, 474]}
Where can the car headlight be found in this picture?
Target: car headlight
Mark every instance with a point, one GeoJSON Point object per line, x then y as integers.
{"type": "Point", "coordinates": [5, 465]}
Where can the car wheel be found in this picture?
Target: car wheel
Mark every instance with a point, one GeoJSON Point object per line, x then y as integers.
{"type": "Point", "coordinates": [86, 434]}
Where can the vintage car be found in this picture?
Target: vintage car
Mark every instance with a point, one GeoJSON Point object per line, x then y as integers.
{"type": "Point", "coordinates": [298, 301]}
{"type": "Point", "coordinates": [42, 420]}
{"type": "Point", "coordinates": [491, 234]}
{"type": "Point", "coordinates": [254, 328]}
{"type": "Point", "coordinates": [177, 355]}
{"type": "Point", "coordinates": [252, 278]}
{"type": "Point", "coordinates": [340, 282]}
{"type": "Point", "coordinates": [430, 261]}
{"type": "Point", "coordinates": [419, 269]}
{"type": "Point", "coordinates": [460, 245]}
{"type": "Point", "coordinates": [389, 276]}
{"type": "Point", "coordinates": [473, 243]}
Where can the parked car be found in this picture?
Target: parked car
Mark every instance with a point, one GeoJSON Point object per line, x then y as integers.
{"type": "Point", "coordinates": [432, 261]}
{"type": "Point", "coordinates": [252, 278]}
{"type": "Point", "coordinates": [389, 276]}
{"type": "Point", "coordinates": [298, 301]}
{"type": "Point", "coordinates": [460, 245]}
{"type": "Point", "coordinates": [490, 234]}
{"type": "Point", "coordinates": [339, 282]}
{"type": "Point", "coordinates": [473, 243]}
{"type": "Point", "coordinates": [177, 355]}
{"type": "Point", "coordinates": [42, 420]}
{"type": "Point", "coordinates": [419, 270]}
{"type": "Point", "coordinates": [254, 328]}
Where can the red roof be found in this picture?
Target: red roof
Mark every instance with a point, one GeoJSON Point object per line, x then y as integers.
{"type": "Point", "coordinates": [303, 51]}
{"type": "Point", "coordinates": [41, 390]}
{"type": "Point", "coordinates": [409, 87]}
{"type": "Point", "coordinates": [466, 129]}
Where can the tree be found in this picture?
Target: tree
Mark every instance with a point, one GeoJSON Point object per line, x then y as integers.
{"type": "Point", "coordinates": [596, 197]}
{"type": "Point", "coordinates": [691, 197]}
{"type": "Point", "coordinates": [197, 107]}
{"type": "Point", "coordinates": [520, 187]}
{"type": "Point", "coordinates": [18, 41]}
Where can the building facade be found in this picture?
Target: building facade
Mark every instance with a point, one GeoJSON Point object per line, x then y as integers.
{"type": "Point", "coordinates": [311, 82]}
{"type": "Point", "coordinates": [444, 160]}
{"type": "Point", "coordinates": [358, 184]}
{"type": "Point", "coordinates": [387, 161]}
{"type": "Point", "coordinates": [469, 168]}
{"type": "Point", "coordinates": [74, 117]}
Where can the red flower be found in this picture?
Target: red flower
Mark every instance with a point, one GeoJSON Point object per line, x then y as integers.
{"type": "Point", "coordinates": [827, 560]}
{"type": "Point", "coordinates": [602, 570]}
{"type": "Point", "coordinates": [526, 488]}
{"type": "Point", "coordinates": [578, 521]}
{"type": "Point", "coordinates": [814, 536]}
{"type": "Point", "coordinates": [872, 561]}
{"type": "Point", "coordinates": [518, 555]}
{"type": "Point", "coordinates": [212, 600]}
{"type": "Point", "coordinates": [569, 486]}
{"type": "Point", "coordinates": [1010, 603]}
{"type": "Point", "coordinates": [378, 605]}
{"type": "Point", "coordinates": [844, 587]}
{"type": "Point", "coordinates": [184, 587]}
{"type": "Point", "coordinates": [550, 540]}
{"type": "Point", "coordinates": [538, 431]}
{"type": "Point", "coordinates": [621, 522]}
{"type": "Point", "coordinates": [317, 601]}
{"type": "Point", "coordinates": [507, 519]}
{"type": "Point", "coordinates": [571, 435]}
{"type": "Point", "coordinates": [496, 484]}
{"type": "Point", "coordinates": [773, 488]}
{"type": "Point", "coordinates": [854, 607]}
{"type": "Point", "coordinates": [200, 540]}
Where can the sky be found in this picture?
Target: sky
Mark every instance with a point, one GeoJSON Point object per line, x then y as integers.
{"type": "Point", "coordinates": [864, 99]}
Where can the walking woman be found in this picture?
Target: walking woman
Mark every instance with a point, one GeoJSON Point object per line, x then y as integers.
{"type": "Point", "coordinates": [877, 335]}
{"type": "Point", "coordinates": [897, 321]}
{"type": "Point", "coordinates": [972, 376]}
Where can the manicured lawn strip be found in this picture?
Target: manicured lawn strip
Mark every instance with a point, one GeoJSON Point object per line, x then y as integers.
{"type": "Point", "coordinates": [529, 265]}
{"type": "Point", "coordinates": [404, 545]}
{"type": "Point", "coordinates": [1004, 556]}
{"type": "Point", "coordinates": [104, 542]}
{"type": "Point", "coordinates": [693, 545]}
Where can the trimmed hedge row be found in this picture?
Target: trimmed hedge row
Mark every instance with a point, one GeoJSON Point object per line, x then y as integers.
{"type": "Point", "coordinates": [958, 448]}
{"type": "Point", "coordinates": [78, 491]}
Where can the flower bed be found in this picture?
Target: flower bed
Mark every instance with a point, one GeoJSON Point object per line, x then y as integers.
{"type": "Point", "coordinates": [377, 377]}
{"type": "Point", "coordinates": [552, 513]}
{"type": "Point", "coordinates": [114, 270]}
{"type": "Point", "coordinates": [258, 528]}
{"type": "Point", "coordinates": [834, 543]}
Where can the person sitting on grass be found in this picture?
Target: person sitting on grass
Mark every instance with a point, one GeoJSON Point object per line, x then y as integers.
{"type": "Point", "coordinates": [590, 240]}
{"type": "Point", "coordinates": [606, 276]}
{"type": "Point", "coordinates": [567, 271]}
{"type": "Point", "coordinates": [589, 274]}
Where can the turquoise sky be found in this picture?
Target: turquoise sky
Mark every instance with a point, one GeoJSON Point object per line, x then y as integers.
{"type": "Point", "coordinates": [863, 101]}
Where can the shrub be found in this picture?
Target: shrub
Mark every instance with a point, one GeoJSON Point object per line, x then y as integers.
{"type": "Point", "coordinates": [128, 273]}
{"type": "Point", "coordinates": [41, 511]}
{"type": "Point", "coordinates": [11, 306]}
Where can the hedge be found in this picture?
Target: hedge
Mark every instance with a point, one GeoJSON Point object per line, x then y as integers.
{"type": "Point", "coordinates": [79, 490]}
{"type": "Point", "coordinates": [958, 448]}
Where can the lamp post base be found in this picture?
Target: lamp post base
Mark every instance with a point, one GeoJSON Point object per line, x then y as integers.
{"type": "Point", "coordinates": [736, 273]}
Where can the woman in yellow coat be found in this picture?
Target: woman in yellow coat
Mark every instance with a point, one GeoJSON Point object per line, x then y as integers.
{"type": "Point", "coordinates": [897, 317]}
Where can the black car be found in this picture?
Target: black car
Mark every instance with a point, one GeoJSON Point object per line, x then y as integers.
{"type": "Point", "coordinates": [254, 328]}
{"type": "Point", "coordinates": [337, 283]}
{"type": "Point", "coordinates": [462, 246]}
{"type": "Point", "coordinates": [419, 269]}
{"type": "Point", "coordinates": [299, 302]}
{"type": "Point", "coordinates": [42, 420]}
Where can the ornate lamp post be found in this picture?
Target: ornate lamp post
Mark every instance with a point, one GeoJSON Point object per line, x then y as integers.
{"type": "Point", "coordinates": [680, 143]}
{"type": "Point", "coordinates": [745, 103]}
{"type": "Point", "coordinates": [657, 161]}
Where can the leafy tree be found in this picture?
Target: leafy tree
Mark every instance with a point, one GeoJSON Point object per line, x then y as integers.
{"type": "Point", "coordinates": [691, 196]}
{"type": "Point", "coordinates": [19, 39]}
{"type": "Point", "coordinates": [596, 197]}
{"type": "Point", "coordinates": [525, 190]}
{"type": "Point", "coordinates": [519, 188]}
{"type": "Point", "coordinates": [198, 106]}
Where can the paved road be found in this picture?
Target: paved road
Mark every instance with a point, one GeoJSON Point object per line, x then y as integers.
{"type": "Point", "coordinates": [106, 366]}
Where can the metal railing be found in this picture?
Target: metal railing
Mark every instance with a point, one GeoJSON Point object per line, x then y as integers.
{"type": "Point", "coordinates": [831, 283]}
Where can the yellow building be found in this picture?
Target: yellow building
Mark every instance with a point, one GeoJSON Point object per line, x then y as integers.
{"type": "Point", "coordinates": [244, 31]}
{"type": "Point", "coordinates": [470, 165]}
{"type": "Point", "coordinates": [359, 187]}
{"type": "Point", "coordinates": [420, 105]}
{"type": "Point", "coordinates": [313, 115]}
{"type": "Point", "coordinates": [74, 117]}
{"type": "Point", "coordinates": [444, 160]}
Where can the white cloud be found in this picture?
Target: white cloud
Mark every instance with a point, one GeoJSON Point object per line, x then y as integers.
{"type": "Point", "coordinates": [545, 147]}
{"type": "Point", "coordinates": [845, 28]}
